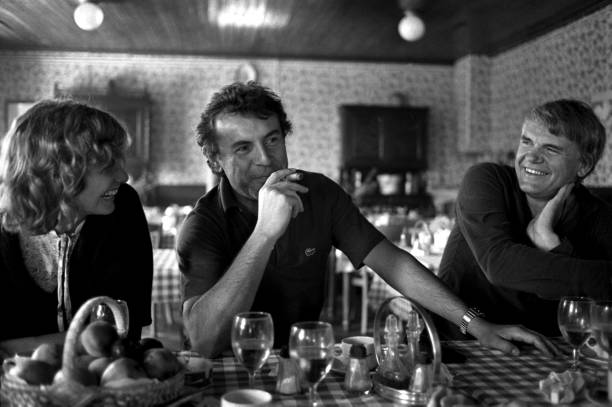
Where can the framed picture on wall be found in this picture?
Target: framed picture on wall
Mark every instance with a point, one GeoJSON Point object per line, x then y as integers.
{"type": "Point", "coordinates": [14, 109]}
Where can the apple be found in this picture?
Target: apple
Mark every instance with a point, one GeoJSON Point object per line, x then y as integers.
{"type": "Point", "coordinates": [122, 368]}
{"type": "Point", "coordinates": [80, 375]}
{"type": "Point", "coordinates": [33, 371]}
{"type": "Point", "coordinates": [50, 353]}
{"type": "Point", "coordinates": [160, 363]}
{"type": "Point", "coordinates": [99, 365]}
{"type": "Point", "coordinates": [98, 337]}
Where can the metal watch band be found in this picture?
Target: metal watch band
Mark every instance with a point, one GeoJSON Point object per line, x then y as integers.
{"type": "Point", "coordinates": [469, 315]}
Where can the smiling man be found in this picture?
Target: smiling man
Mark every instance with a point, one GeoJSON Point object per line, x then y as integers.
{"type": "Point", "coordinates": [525, 236]}
{"type": "Point", "coordinates": [260, 239]}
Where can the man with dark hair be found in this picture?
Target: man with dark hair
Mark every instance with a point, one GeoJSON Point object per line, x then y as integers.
{"type": "Point", "coordinates": [260, 239]}
{"type": "Point", "coordinates": [528, 235]}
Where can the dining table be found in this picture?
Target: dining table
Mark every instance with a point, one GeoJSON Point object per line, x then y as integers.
{"type": "Point", "coordinates": [166, 277]}
{"type": "Point", "coordinates": [487, 377]}
{"type": "Point", "coordinates": [166, 289]}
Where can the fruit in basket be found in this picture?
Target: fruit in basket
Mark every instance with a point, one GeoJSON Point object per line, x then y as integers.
{"type": "Point", "coordinates": [98, 337]}
{"type": "Point", "coordinates": [99, 365]}
{"type": "Point", "coordinates": [83, 361]}
{"type": "Point", "coordinates": [127, 382]}
{"type": "Point", "coordinates": [50, 353]}
{"type": "Point", "coordinates": [122, 368]}
{"type": "Point", "coordinates": [161, 363]}
{"type": "Point", "coordinates": [128, 348]}
{"type": "Point", "coordinates": [150, 343]}
{"type": "Point", "coordinates": [78, 374]}
{"type": "Point", "coordinates": [33, 371]}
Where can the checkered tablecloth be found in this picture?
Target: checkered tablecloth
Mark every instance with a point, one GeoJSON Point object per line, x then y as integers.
{"type": "Point", "coordinates": [166, 277]}
{"type": "Point", "coordinates": [493, 378]}
{"type": "Point", "coordinates": [228, 375]}
{"type": "Point", "coordinates": [487, 376]}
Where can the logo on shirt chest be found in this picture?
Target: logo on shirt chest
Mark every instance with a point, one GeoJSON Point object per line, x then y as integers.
{"type": "Point", "coordinates": [310, 251]}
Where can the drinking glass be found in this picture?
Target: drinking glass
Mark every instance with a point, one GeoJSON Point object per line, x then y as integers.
{"type": "Point", "coordinates": [252, 340]}
{"type": "Point", "coordinates": [601, 327]}
{"type": "Point", "coordinates": [573, 316]}
{"type": "Point", "coordinates": [311, 343]}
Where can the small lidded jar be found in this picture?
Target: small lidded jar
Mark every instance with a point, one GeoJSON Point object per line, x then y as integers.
{"type": "Point", "coordinates": [357, 378]}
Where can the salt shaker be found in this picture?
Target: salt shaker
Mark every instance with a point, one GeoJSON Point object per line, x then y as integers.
{"type": "Point", "coordinates": [288, 378]}
{"type": "Point", "coordinates": [357, 378]}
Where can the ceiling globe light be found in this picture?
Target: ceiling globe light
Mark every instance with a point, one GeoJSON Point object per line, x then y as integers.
{"type": "Point", "coordinates": [411, 27]}
{"type": "Point", "coordinates": [88, 16]}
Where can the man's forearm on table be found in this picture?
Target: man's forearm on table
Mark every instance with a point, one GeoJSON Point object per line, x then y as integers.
{"type": "Point", "coordinates": [209, 317]}
{"type": "Point", "coordinates": [404, 273]}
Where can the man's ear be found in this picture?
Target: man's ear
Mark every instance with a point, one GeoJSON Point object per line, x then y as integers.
{"type": "Point", "coordinates": [214, 165]}
{"type": "Point", "coordinates": [584, 168]}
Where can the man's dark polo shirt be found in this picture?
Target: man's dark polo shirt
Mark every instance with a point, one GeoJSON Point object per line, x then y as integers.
{"type": "Point", "coordinates": [292, 287]}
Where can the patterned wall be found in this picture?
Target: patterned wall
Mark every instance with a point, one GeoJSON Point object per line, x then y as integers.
{"type": "Point", "coordinates": [574, 61]}
{"type": "Point", "coordinates": [472, 98]}
{"type": "Point", "coordinates": [181, 86]}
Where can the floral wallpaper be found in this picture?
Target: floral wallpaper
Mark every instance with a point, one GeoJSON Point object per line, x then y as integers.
{"type": "Point", "coordinates": [572, 62]}
{"type": "Point", "coordinates": [180, 87]}
{"type": "Point", "coordinates": [476, 106]}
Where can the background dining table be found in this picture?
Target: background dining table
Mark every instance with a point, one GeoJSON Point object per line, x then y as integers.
{"type": "Point", "coordinates": [166, 288]}
{"type": "Point", "coordinates": [166, 277]}
{"type": "Point", "coordinates": [486, 376]}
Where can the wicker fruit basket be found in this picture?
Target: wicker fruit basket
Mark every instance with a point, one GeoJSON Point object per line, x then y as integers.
{"type": "Point", "coordinates": [67, 389]}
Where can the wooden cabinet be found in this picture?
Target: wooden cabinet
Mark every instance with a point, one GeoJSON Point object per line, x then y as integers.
{"type": "Point", "coordinates": [385, 140]}
{"type": "Point", "coordinates": [392, 139]}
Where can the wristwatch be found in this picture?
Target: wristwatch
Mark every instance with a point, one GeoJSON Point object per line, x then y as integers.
{"type": "Point", "coordinates": [469, 315]}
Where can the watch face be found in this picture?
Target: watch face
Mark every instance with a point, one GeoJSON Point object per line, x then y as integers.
{"type": "Point", "coordinates": [245, 73]}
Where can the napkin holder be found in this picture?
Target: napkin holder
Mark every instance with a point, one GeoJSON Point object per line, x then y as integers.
{"type": "Point", "coordinates": [415, 384]}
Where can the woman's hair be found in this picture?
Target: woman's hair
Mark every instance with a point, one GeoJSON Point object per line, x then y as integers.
{"type": "Point", "coordinates": [576, 121]}
{"type": "Point", "coordinates": [249, 98]}
{"type": "Point", "coordinates": [44, 159]}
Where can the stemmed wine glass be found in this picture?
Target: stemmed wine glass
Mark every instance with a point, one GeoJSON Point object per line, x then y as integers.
{"type": "Point", "coordinates": [311, 343]}
{"type": "Point", "coordinates": [252, 340]}
{"type": "Point", "coordinates": [601, 326]}
{"type": "Point", "coordinates": [573, 316]}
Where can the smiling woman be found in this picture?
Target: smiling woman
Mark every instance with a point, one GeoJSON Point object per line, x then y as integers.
{"type": "Point", "coordinates": [71, 228]}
